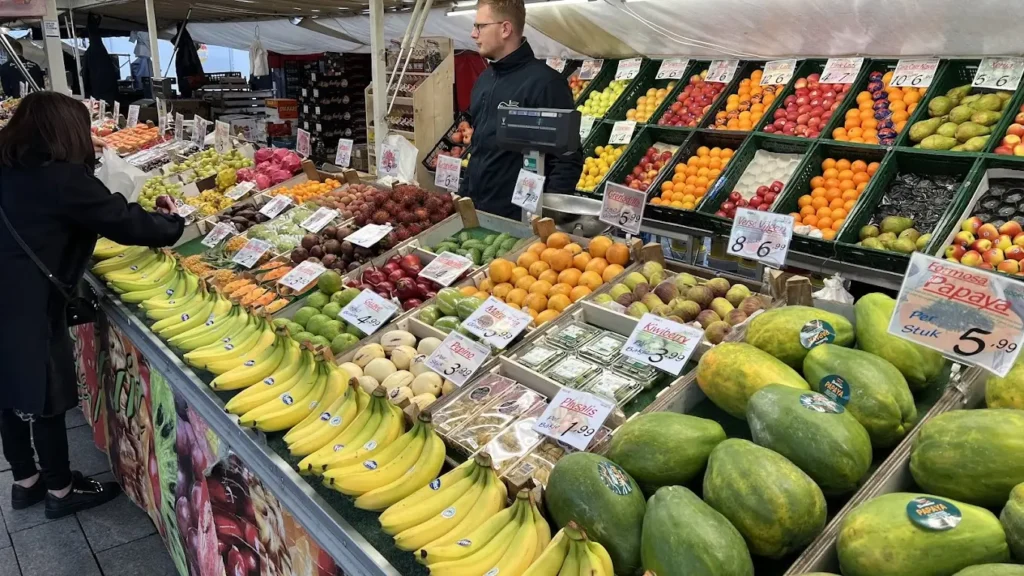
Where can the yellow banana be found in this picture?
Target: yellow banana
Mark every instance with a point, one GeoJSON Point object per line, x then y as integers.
{"type": "Point", "coordinates": [603, 558]}
{"type": "Point", "coordinates": [430, 499]}
{"type": "Point", "coordinates": [428, 465]}
{"type": "Point", "coordinates": [252, 370]}
{"type": "Point", "coordinates": [542, 526]}
{"type": "Point", "coordinates": [273, 386]}
{"type": "Point", "coordinates": [551, 558]}
{"type": "Point", "coordinates": [222, 364]}
{"type": "Point", "coordinates": [390, 428]}
{"type": "Point", "coordinates": [137, 270]}
{"type": "Point", "coordinates": [491, 501]}
{"type": "Point", "coordinates": [589, 562]}
{"type": "Point", "coordinates": [124, 261]}
{"type": "Point", "coordinates": [181, 281]}
{"type": "Point", "coordinates": [187, 313]}
{"type": "Point", "coordinates": [291, 408]}
{"type": "Point", "coordinates": [153, 277]}
{"type": "Point", "coordinates": [509, 555]}
{"type": "Point", "coordinates": [205, 314]}
{"type": "Point", "coordinates": [160, 287]}
{"type": "Point", "coordinates": [223, 327]}
{"type": "Point", "coordinates": [336, 392]}
{"type": "Point", "coordinates": [571, 565]}
{"type": "Point", "coordinates": [231, 344]}
{"type": "Point", "coordinates": [382, 468]}
{"type": "Point", "coordinates": [106, 248]}
{"type": "Point", "coordinates": [447, 520]}
{"type": "Point", "coordinates": [475, 541]}
{"type": "Point", "coordinates": [362, 426]}
{"type": "Point", "coordinates": [189, 289]}
{"type": "Point", "coordinates": [318, 434]}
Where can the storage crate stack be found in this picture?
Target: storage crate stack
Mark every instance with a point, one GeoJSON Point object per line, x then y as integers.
{"type": "Point", "coordinates": [332, 104]}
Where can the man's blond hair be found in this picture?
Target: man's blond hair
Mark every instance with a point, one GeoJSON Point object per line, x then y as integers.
{"type": "Point", "coordinates": [512, 10]}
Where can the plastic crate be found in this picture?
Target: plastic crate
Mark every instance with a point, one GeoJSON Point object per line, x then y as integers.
{"type": "Point", "coordinates": [445, 144]}
{"type": "Point", "coordinates": [600, 82]}
{"type": "Point", "coordinates": [965, 204]}
{"type": "Point", "coordinates": [803, 70]}
{"type": "Point", "coordinates": [903, 161]}
{"type": "Point", "coordinates": [643, 82]}
{"type": "Point", "coordinates": [646, 137]}
{"type": "Point", "coordinates": [850, 100]}
{"type": "Point", "coordinates": [744, 71]}
{"type": "Point", "coordinates": [598, 137]}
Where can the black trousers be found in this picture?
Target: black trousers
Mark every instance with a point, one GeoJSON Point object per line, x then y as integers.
{"type": "Point", "coordinates": [51, 445]}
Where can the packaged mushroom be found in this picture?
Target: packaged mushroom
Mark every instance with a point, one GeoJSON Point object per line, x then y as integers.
{"type": "Point", "coordinates": [516, 440]}
{"type": "Point", "coordinates": [479, 430]}
{"type": "Point", "coordinates": [469, 402]}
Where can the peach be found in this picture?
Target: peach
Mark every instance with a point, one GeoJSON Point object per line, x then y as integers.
{"type": "Point", "coordinates": [1018, 150]}
{"type": "Point", "coordinates": [1003, 151]}
{"type": "Point", "coordinates": [1018, 240]}
{"type": "Point", "coordinates": [1011, 140]}
{"type": "Point", "coordinates": [971, 258]}
{"type": "Point", "coordinates": [1016, 129]}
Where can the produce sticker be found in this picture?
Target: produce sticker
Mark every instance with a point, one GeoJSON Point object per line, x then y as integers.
{"type": "Point", "coordinates": [590, 69]}
{"type": "Point", "coordinates": [343, 157]}
{"type": "Point", "coordinates": [446, 268]}
{"type": "Point", "coordinates": [841, 70]}
{"type": "Point", "coordinates": [317, 220]}
{"type": "Point", "coordinates": [573, 417]}
{"type": "Point", "coordinates": [999, 73]}
{"type": "Point", "coordinates": [248, 255]}
{"type": "Point", "coordinates": [276, 205]}
{"type": "Point", "coordinates": [778, 72]}
{"type": "Point", "coordinates": [623, 207]}
{"type": "Point", "coordinates": [968, 314]}
{"type": "Point", "coordinates": [457, 358]}
{"type": "Point", "coordinates": [761, 236]}
{"type": "Point", "coordinates": [133, 115]}
{"type": "Point", "coordinates": [916, 73]}
{"type": "Point", "coordinates": [369, 235]}
{"type": "Point", "coordinates": [497, 323]}
{"type": "Point", "coordinates": [622, 132]}
{"type": "Point", "coordinates": [302, 145]}
{"type": "Point", "coordinates": [221, 231]}
{"type": "Point", "coordinates": [449, 173]}
{"type": "Point", "coordinates": [628, 68]}
{"type": "Point", "coordinates": [527, 191]}
{"type": "Point", "coordinates": [368, 311]}
{"type": "Point", "coordinates": [302, 275]}
{"type": "Point", "coordinates": [933, 513]}
{"type": "Point", "coordinates": [662, 343]}
{"type": "Point", "coordinates": [672, 68]}
{"type": "Point", "coordinates": [721, 71]}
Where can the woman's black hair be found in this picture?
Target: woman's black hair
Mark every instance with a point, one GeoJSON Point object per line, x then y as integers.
{"type": "Point", "coordinates": [47, 127]}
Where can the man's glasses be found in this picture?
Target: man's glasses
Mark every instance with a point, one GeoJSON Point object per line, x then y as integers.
{"type": "Point", "coordinates": [480, 26]}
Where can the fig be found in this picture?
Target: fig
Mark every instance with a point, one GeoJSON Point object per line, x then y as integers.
{"type": "Point", "coordinates": [706, 318]}
{"type": "Point", "coordinates": [719, 286]}
{"type": "Point", "coordinates": [717, 331]}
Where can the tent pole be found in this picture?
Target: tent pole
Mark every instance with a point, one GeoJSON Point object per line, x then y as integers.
{"type": "Point", "coordinates": [54, 53]}
{"type": "Point", "coordinates": [154, 42]}
{"type": "Point", "coordinates": [379, 70]}
{"type": "Point", "coordinates": [408, 56]}
{"type": "Point", "coordinates": [405, 41]}
{"type": "Point", "coordinates": [177, 41]}
{"type": "Point", "coordinates": [74, 39]}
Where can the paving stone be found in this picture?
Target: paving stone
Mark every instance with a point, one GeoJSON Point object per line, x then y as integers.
{"type": "Point", "coordinates": [17, 520]}
{"type": "Point", "coordinates": [57, 548]}
{"type": "Point", "coordinates": [146, 556]}
{"type": "Point", "coordinates": [9, 563]}
{"type": "Point", "coordinates": [115, 523]}
{"type": "Point", "coordinates": [4, 466]}
{"type": "Point", "coordinates": [74, 418]}
{"type": "Point", "coordinates": [85, 457]}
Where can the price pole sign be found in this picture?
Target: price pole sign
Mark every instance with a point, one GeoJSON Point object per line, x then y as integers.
{"type": "Point", "coordinates": [573, 417]}
{"type": "Point", "coordinates": [917, 73]}
{"type": "Point", "coordinates": [103, 109]}
{"type": "Point", "coordinates": [117, 111]}
{"type": "Point", "coordinates": [343, 157]}
{"type": "Point", "coordinates": [368, 311]}
{"type": "Point", "coordinates": [556, 63]}
{"type": "Point", "coordinates": [449, 171]}
{"type": "Point", "coordinates": [239, 190]}
{"type": "Point", "coordinates": [198, 131]}
{"type": "Point", "coordinates": [662, 343]}
{"type": "Point", "coordinates": [302, 275]}
{"type": "Point", "coordinates": [179, 127]}
{"type": "Point", "coordinates": [622, 132]}
{"type": "Point", "coordinates": [249, 254]}
{"type": "Point", "coordinates": [778, 72]}
{"type": "Point", "coordinates": [302, 145]}
{"type": "Point", "coordinates": [623, 207]}
{"type": "Point", "coordinates": [761, 236]}
{"type": "Point", "coordinates": [369, 235]}
{"type": "Point", "coordinates": [457, 358]}
{"type": "Point", "coordinates": [276, 205]}
{"type": "Point", "coordinates": [968, 314]}
{"type": "Point", "coordinates": [390, 157]}
{"type": "Point", "coordinates": [317, 220]}
{"type": "Point", "coordinates": [221, 231]}
{"type": "Point", "coordinates": [628, 68]}
{"type": "Point", "coordinates": [133, 115]}
{"type": "Point", "coordinates": [841, 70]}
{"type": "Point", "coordinates": [721, 71]}
{"type": "Point", "coordinates": [999, 73]}
{"type": "Point", "coordinates": [222, 137]}
{"type": "Point", "coordinates": [529, 187]}
{"type": "Point", "coordinates": [446, 268]}
{"type": "Point", "coordinates": [590, 69]}
{"type": "Point", "coordinates": [497, 323]}
{"type": "Point", "coordinates": [672, 68]}
{"type": "Point", "coordinates": [586, 125]}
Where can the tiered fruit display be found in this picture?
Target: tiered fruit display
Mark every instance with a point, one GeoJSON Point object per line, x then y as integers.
{"type": "Point", "coordinates": [259, 291]}
{"type": "Point", "coordinates": [833, 197]}
{"type": "Point", "coordinates": [273, 166]}
{"type": "Point", "coordinates": [597, 166]}
{"type": "Point", "coordinates": [577, 86]}
{"type": "Point", "coordinates": [981, 244]}
{"type": "Point", "coordinates": [744, 109]}
{"type": "Point", "coordinates": [479, 245]}
{"type": "Point", "coordinates": [648, 103]}
{"type": "Point", "coordinates": [806, 111]}
{"type": "Point", "coordinates": [692, 103]}
{"type": "Point", "coordinates": [1012, 143]}
{"type": "Point", "coordinates": [960, 120]}
{"type": "Point", "coordinates": [409, 208]}
{"type": "Point", "coordinates": [761, 183]}
{"type": "Point", "coordinates": [330, 248]}
{"type": "Point", "coordinates": [692, 179]}
{"type": "Point", "coordinates": [156, 187]}
{"type": "Point", "coordinates": [598, 103]}
{"type": "Point", "coordinates": [208, 163]}
{"type": "Point", "coordinates": [650, 165]}
{"type": "Point", "coordinates": [399, 279]}
{"type": "Point", "coordinates": [910, 209]}
{"type": "Point", "coordinates": [881, 112]}
{"type": "Point", "coordinates": [128, 140]}
{"type": "Point", "coordinates": [318, 322]}
{"type": "Point", "coordinates": [307, 190]}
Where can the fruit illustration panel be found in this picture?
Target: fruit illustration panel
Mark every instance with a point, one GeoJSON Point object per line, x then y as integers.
{"type": "Point", "coordinates": [86, 339]}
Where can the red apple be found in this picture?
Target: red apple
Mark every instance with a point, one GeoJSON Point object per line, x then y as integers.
{"type": "Point", "coordinates": [1011, 229]}
{"type": "Point", "coordinates": [971, 225]}
{"type": "Point", "coordinates": [971, 258]}
{"type": "Point", "coordinates": [963, 238]}
{"type": "Point", "coordinates": [1008, 266]}
{"type": "Point", "coordinates": [955, 252]}
{"type": "Point", "coordinates": [988, 232]}
{"type": "Point", "coordinates": [1014, 253]}
{"type": "Point", "coordinates": [981, 245]}
{"type": "Point", "coordinates": [993, 256]}
{"type": "Point", "coordinates": [1016, 130]}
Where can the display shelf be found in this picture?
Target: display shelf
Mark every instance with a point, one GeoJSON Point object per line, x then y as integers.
{"type": "Point", "coordinates": [645, 137]}
{"type": "Point", "coordinates": [693, 67]}
{"type": "Point", "coordinates": [743, 71]}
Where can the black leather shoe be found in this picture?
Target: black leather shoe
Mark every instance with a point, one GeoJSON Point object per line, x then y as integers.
{"type": "Point", "coordinates": [22, 497]}
{"type": "Point", "coordinates": [84, 494]}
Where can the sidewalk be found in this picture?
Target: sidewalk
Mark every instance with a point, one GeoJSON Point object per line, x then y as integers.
{"type": "Point", "coordinates": [116, 539]}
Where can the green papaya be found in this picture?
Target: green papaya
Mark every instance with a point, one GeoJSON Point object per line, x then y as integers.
{"type": "Point", "coordinates": [976, 144]}
{"type": "Point", "coordinates": [949, 128]}
{"type": "Point", "coordinates": [878, 538]}
{"type": "Point", "coordinates": [731, 372]}
{"type": "Point", "coordinates": [924, 128]}
{"type": "Point", "coordinates": [776, 506]}
{"type": "Point", "coordinates": [683, 536]}
{"type": "Point", "coordinates": [985, 117]}
{"type": "Point", "coordinates": [936, 142]}
{"type": "Point", "coordinates": [788, 333]}
{"type": "Point", "coordinates": [957, 116]}
{"type": "Point", "coordinates": [817, 434]}
{"type": "Point", "coordinates": [992, 570]}
{"type": "Point", "coordinates": [918, 364]}
{"type": "Point", "coordinates": [939, 106]}
{"type": "Point", "coordinates": [1012, 519]}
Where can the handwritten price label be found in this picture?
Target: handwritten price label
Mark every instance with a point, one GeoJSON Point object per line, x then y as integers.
{"type": "Point", "coordinates": [556, 63]}
{"type": "Point", "coordinates": [199, 131]}
{"type": "Point", "coordinates": [239, 190]}
{"type": "Point", "coordinates": [343, 157]}
{"type": "Point", "coordinates": [302, 144]}
{"type": "Point", "coordinates": [999, 73]}
{"type": "Point", "coordinates": [967, 314]}
{"type": "Point", "coordinates": [722, 71]}
{"type": "Point", "coordinates": [917, 73]}
{"type": "Point", "coordinates": [590, 68]}
{"type": "Point", "coordinates": [302, 276]}
{"type": "Point", "coordinates": [222, 137]}
{"type": "Point", "coordinates": [622, 132]}
{"type": "Point", "coordinates": [778, 72]}
{"type": "Point", "coordinates": [497, 323]}
{"type": "Point", "coordinates": [586, 126]}
{"type": "Point", "coordinates": [841, 70]}
{"type": "Point", "coordinates": [673, 68]}
{"type": "Point", "coordinates": [762, 236]}
{"type": "Point", "coordinates": [369, 235]}
{"type": "Point", "coordinates": [449, 172]}
{"type": "Point", "coordinates": [276, 205]}
{"type": "Point", "coordinates": [117, 111]}
{"type": "Point", "coordinates": [446, 268]}
{"type": "Point", "coordinates": [628, 68]}
{"type": "Point", "coordinates": [662, 343]}
{"type": "Point", "coordinates": [529, 187]}
{"type": "Point", "coordinates": [184, 210]}
{"type": "Point", "coordinates": [368, 311]}
{"type": "Point", "coordinates": [221, 231]}
{"type": "Point", "coordinates": [249, 254]}
{"type": "Point", "coordinates": [179, 127]}
{"type": "Point", "coordinates": [574, 417]}
{"type": "Point", "coordinates": [133, 115]}
{"type": "Point", "coordinates": [390, 158]}
{"type": "Point", "coordinates": [623, 207]}
{"type": "Point", "coordinates": [457, 358]}
{"type": "Point", "coordinates": [322, 217]}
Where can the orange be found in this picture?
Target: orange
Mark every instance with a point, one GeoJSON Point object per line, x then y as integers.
{"type": "Point", "coordinates": [533, 313]}
{"type": "Point", "coordinates": [617, 254]}
{"type": "Point", "coordinates": [546, 254]}
{"type": "Point", "coordinates": [570, 276]}
{"type": "Point", "coordinates": [481, 295]}
{"type": "Point", "coordinates": [859, 166]}
{"type": "Point", "coordinates": [811, 220]}
{"type": "Point", "coordinates": [830, 173]}
{"type": "Point", "coordinates": [807, 210]}
{"type": "Point", "coordinates": [848, 206]}
{"type": "Point", "coordinates": [558, 240]}
{"type": "Point", "coordinates": [486, 284]}
{"type": "Point", "coordinates": [843, 163]}
{"type": "Point", "coordinates": [513, 306]}
{"type": "Point", "coordinates": [581, 260]}
{"type": "Point", "coordinates": [872, 168]}
{"type": "Point", "coordinates": [861, 177]}
{"type": "Point", "coordinates": [819, 203]}
{"type": "Point", "coordinates": [518, 272]}
{"type": "Point", "coordinates": [575, 248]}
{"type": "Point", "coordinates": [558, 302]}
{"type": "Point", "coordinates": [666, 186]}
{"type": "Point", "coordinates": [833, 193]}
{"type": "Point", "coordinates": [501, 290]}
{"type": "Point", "coordinates": [559, 288]}
{"type": "Point", "coordinates": [546, 316]}
{"type": "Point", "coordinates": [537, 248]}
{"type": "Point", "coordinates": [818, 193]}
{"type": "Point", "coordinates": [610, 272]}
{"type": "Point", "coordinates": [822, 223]}
{"type": "Point", "coordinates": [828, 163]}
{"type": "Point", "coordinates": [596, 265]}
{"type": "Point", "coordinates": [837, 203]}
{"type": "Point", "coordinates": [579, 292]}
{"type": "Point", "coordinates": [837, 224]}
{"type": "Point", "coordinates": [525, 282]}
{"type": "Point", "coordinates": [823, 212]}
{"type": "Point", "coordinates": [526, 259]}
{"type": "Point", "coordinates": [516, 296]}
{"type": "Point", "coordinates": [500, 270]}
{"type": "Point", "coordinates": [847, 184]}
{"type": "Point", "coordinates": [536, 302]}
{"type": "Point", "coordinates": [838, 213]}
{"type": "Point", "coordinates": [828, 234]}
{"type": "Point", "coordinates": [468, 290]}
{"type": "Point", "coordinates": [591, 280]}
{"type": "Point", "coordinates": [817, 182]}
{"type": "Point", "coordinates": [549, 276]}
{"type": "Point", "coordinates": [538, 268]}
{"type": "Point", "coordinates": [542, 287]}
{"type": "Point", "coordinates": [804, 201]}
{"type": "Point", "coordinates": [560, 260]}
{"type": "Point", "coordinates": [845, 174]}
{"type": "Point", "coordinates": [849, 195]}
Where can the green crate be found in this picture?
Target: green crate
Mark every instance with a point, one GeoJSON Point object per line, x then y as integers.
{"type": "Point", "coordinates": [641, 82]}
{"type": "Point", "coordinates": [646, 137]}
{"type": "Point", "coordinates": [850, 100]}
{"type": "Point", "coordinates": [744, 71]}
{"type": "Point", "coordinates": [903, 161]}
{"type": "Point", "coordinates": [803, 70]}
{"type": "Point", "coordinates": [598, 137]}
{"type": "Point", "coordinates": [606, 75]}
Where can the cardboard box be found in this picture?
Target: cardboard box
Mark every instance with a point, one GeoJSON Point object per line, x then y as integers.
{"type": "Point", "coordinates": [286, 108]}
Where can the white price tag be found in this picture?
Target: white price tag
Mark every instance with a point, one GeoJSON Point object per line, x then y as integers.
{"type": "Point", "coordinates": [103, 109]}
{"type": "Point", "coordinates": [302, 144]}
{"type": "Point", "coordinates": [721, 71]}
{"type": "Point", "coordinates": [762, 236]}
{"type": "Point", "coordinates": [841, 70]}
{"type": "Point", "coordinates": [222, 137]}
{"type": "Point", "coordinates": [387, 164]}
{"type": "Point", "coordinates": [133, 115]}
{"type": "Point", "coordinates": [249, 254]}
{"type": "Point", "coordinates": [622, 132]}
{"type": "Point", "coordinates": [586, 126]}
{"type": "Point", "coordinates": [449, 171]}
{"type": "Point", "coordinates": [161, 107]}
{"type": "Point", "coordinates": [778, 72]}
{"type": "Point", "coordinates": [917, 73]}
{"type": "Point", "coordinates": [497, 323]}
{"type": "Point", "coordinates": [221, 231]}
{"type": "Point", "coordinates": [999, 73]}
{"type": "Point", "coordinates": [305, 108]}
{"type": "Point", "coordinates": [529, 187]}
{"type": "Point", "coordinates": [22, 89]}
{"type": "Point", "coordinates": [573, 417]}
{"type": "Point", "coordinates": [369, 235]}
{"type": "Point", "coordinates": [672, 68]}
{"type": "Point", "coordinates": [51, 29]}
{"type": "Point", "coordinates": [623, 207]}
{"type": "Point", "coordinates": [316, 92]}
{"type": "Point", "coordinates": [662, 343]}
{"type": "Point", "coordinates": [590, 68]}
{"type": "Point", "coordinates": [117, 111]}
{"type": "Point", "coordinates": [628, 68]}
{"type": "Point", "coordinates": [184, 210]}
{"type": "Point", "coordinates": [968, 314]}
{"type": "Point", "coordinates": [162, 125]}
{"type": "Point", "coordinates": [446, 268]}
{"type": "Point", "coordinates": [368, 311]}
{"type": "Point", "coordinates": [304, 94]}
{"type": "Point", "coordinates": [556, 63]}
{"type": "Point", "coordinates": [198, 131]}
{"type": "Point", "coordinates": [302, 275]}
{"type": "Point", "coordinates": [322, 217]}
{"type": "Point", "coordinates": [239, 190]}
{"type": "Point", "coordinates": [343, 157]}
{"type": "Point", "coordinates": [457, 358]}
{"type": "Point", "coordinates": [276, 205]}
{"type": "Point", "coordinates": [179, 127]}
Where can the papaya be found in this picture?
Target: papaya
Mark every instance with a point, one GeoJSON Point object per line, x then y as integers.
{"type": "Point", "coordinates": [875, 392]}
{"type": "Point", "coordinates": [683, 536]}
{"type": "Point", "coordinates": [878, 538]}
{"type": "Point", "coordinates": [731, 372]}
{"type": "Point", "coordinates": [778, 332]}
{"type": "Point", "coordinates": [820, 436]}
{"type": "Point", "coordinates": [976, 456]}
{"type": "Point", "coordinates": [776, 506]}
{"type": "Point", "coordinates": [992, 570]}
{"type": "Point", "coordinates": [604, 500]}
{"type": "Point", "coordinates": [1012, 519]}
{"type": "Point", "coordinates": [918, 364]}
{"type": "Point", "coordinates": [1006, 392]}
{"type": "Point", "coordinates": [664, 448]}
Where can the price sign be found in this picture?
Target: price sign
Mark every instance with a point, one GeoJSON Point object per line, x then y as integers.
{"type": "Point", "coordinates": [573, 417]}
{"type": "Point", "coordinates": [162, 122]}
{"type": "Point", "coordinates": [672, 68]}
{"type": "Point", "coordinates": [117, 111]}
{"type": "Point", "coordinates": [449, 170]}
{"type": "Point", "coordinates": [239, 190]}
{"type": "Point", "coordinates": [778, 72]}
{"type": "Point", "coordinates": [133, 115]}
{"type": "Point", "coordinates": [343, 157]}
{"type": "Point", "coordinates": [222, 137]}
{"type": "Point", "coordinates": [184, 210]}
{"type": "Point", "coordinates": [22, 89]}
{"type": "Point", "coordinates": [622, 132]}
{"type": "Point", "coordinates": [103, 109]}
{"type": "Point", "coordinates": [322, 217]}
{"type": "Point", "coordinates": [302, 145]}
{"type": "Point", "coordinates": [841, 70]}
{"type": "Point", "coordinates": [529, 187]}
{"type": "Point", "coordinates": [368, 311]}
{"type": "Point", "coordinates": [276, 205]}
{"type": "Point", "coordinates": [917, 73]}
{"type": "Point", "coordinates": [590, 69]}
{"type": "Point", "coordinates": [999, 73]}
{"type": "Point", "coordinates": [628, 68]}
{"type": "Point", "coordinates": [457, 358]}
{"type": "Point", "coordinates": [249, 254]}
{"type": "Point", "coordinates": [161, 107]}
{"type": "Point", "coordinates": [446, 268]}
{"type": "Point", "coordinates": [179, 127]}
{"type": "Point", "coordinates": [221, 231]}
{"type": "Point", "coordinates": [623, 207]}
{"type": "Point", "coordinates": [497, 323]}
{"type": "Point", "coordinates": [662, 343]}
{"type": "Point", "coordinates": [369, 235]}
{"type": "Point", "coordinates": [302, 275]}
{"type": "Point", "coordinates": [971, 315]}
{"type": "Point", "coordinates": [722, 71]}
{"type": "Point", "coordinates": [586, 125]}
{"type": "Point", "coordinates": [387, 164]}
{"type": "Point", "coordinates": [556, 63]}
{"type": "Point", "coordinates": [51, 28]}
{"type": "Point", "coordinates": [198, 131]}
{"type": "Point", "coordinates": [762, 236]}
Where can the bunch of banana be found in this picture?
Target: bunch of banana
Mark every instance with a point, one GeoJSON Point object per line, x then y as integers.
{"type": "Point", "coordinates": [507, 543]}
{"type": "Point", "coordinates": [369, 433]}
{"type": "Point", "coordinates": [244, 340]}
{"type": "Point", "coordinates": [127, 260]}
{"type": "Point", "coordinates": [106, 248]}
{"type": "Point", "coordinates": [175, 301]}
{"type": "Point", "coordinates": [152, 275]}
{"type": "Point", "coordinates": [571, 554]}
{"type": "Point", "coordinates": [447, 509]}
{"type": "Point", "coordinates": [406, 465]}
{"type": "Point", "coordinates": [312, 434]}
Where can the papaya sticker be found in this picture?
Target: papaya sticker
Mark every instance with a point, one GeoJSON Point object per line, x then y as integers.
{"type": "Point", "coordinates": [835, 388]}
{"type": "Point", "coordinates": [933, 513]}
{"type": "Point", "coordinates": [820, 403]}
{"type": "Point", "coordinates": [614, 478]}
{"type": "Point", "coordinates": [816, 333]}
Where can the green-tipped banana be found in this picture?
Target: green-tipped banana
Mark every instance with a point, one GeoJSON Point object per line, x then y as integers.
{"type": "Point", "coordinates": [224, 325]}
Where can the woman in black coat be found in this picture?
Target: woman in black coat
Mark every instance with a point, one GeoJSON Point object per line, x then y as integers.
{"type": "Point", "coordinates": [52, 201]}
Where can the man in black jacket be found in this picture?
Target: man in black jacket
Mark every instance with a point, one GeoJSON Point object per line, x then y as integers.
{"type": "Point", "coordinates": [515, 78]}
{"type": "Point", "coordinates": [10, 74]}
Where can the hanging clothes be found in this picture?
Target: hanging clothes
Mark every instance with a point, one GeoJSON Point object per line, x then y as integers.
{"type": "Point", "coordinates": [258, 65]}
{"type": "Point", "coordinates": [97, 67]}
{"type": "Point", "coordinates": [187, 63]}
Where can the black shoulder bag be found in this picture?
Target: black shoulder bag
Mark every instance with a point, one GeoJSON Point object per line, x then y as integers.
{"type": "Point", "coordinates": [80, 307]}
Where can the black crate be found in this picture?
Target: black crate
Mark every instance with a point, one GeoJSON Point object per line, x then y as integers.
{"type": "Point", "coordinates": [693, 67]}
{"type": "Point", "coordinates": [598, 137]}
{"type": "Point", "coordinates": [711, 120]}
{"type": "Point", "coordinates": [604, 76]}
{"type": "Point", "coordinates": [803, 70]}
{"type": "Point", "coordinates": [645, 137]}
{"type": "Point", "coordinates": [445, 144]}
{"type": "Point", "coordinates": [850, 99]}
{"type": "Point", "coordinates": [643, 83]}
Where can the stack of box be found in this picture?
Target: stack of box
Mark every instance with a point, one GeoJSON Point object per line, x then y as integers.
{"type": "Point", "coordinates": [332, 102]}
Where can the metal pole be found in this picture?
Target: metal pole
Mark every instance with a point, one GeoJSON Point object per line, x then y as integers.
{"type": "Point", "coordinates": [154, 44]}
{"type": "Point", "coordinates": [78, 60]}
{"type": "Point", "coordinates": [412, 45]}
{"type": "Point", "coordinates": [378, 70]}
{"type": "Point", "coordinates": [54, 49]}
{"type": "Point", "coordinates": [17, 62]}
{"type": "Point", "coordinates": [416, 9]}
{"type": "Point", "coordinates": [177, 40]}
